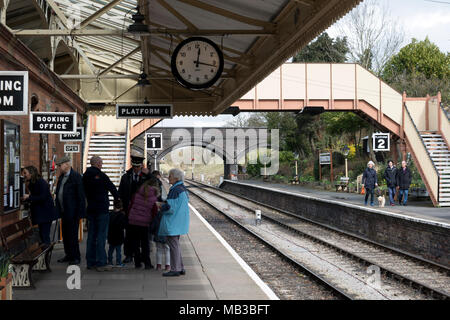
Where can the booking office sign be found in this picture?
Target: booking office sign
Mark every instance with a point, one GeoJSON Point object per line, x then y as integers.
{"type": "Point", "coordinates": [233, 144]}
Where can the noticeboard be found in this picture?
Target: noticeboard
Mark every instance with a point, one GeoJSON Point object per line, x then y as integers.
{"type": "Point", "coordinates": [325, 158]}
{"type": "Point", "coordinates": [13, 93]}
{"type": "Point", "coordinates": [12, 183]}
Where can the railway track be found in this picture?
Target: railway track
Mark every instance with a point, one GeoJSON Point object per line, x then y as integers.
{"type": "Point", "coordinates": [340, 261]}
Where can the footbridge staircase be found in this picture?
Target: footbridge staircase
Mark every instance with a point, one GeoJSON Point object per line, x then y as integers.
{"type": "Point", "coordinates": [419, 125]}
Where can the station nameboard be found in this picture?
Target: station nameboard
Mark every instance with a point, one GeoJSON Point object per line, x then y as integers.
{"type": "Point", "coordinates": [13, 92]}
{"type": "Point", "coordinates": [141, 111]}
{"type": "Point", "coordinates": [325, 158]}
{"type": "Point", "coordinates": [79, 136]}
{"type": "Point", "coordinates": [71, 148]}
{"type": "Point", "coordinates": [53, 122]}
{"type": "Point", "coordinates": [154, 141]}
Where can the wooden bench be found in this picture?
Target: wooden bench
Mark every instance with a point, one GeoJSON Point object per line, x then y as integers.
{"type": "Point", "coordinates": [343, 186]}
{"type": "Point", "coordinates": [27, 253]}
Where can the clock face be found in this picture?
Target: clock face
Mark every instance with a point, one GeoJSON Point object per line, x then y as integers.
{"type": "Point", "coordinates": [197, 63]}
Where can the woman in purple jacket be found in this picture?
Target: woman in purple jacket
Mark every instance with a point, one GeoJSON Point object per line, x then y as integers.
{"type": "Point", "coordinates": [141, 212]}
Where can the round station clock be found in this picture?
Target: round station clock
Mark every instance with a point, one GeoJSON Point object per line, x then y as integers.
{"type": "Point", "coordinates": [197, 63]}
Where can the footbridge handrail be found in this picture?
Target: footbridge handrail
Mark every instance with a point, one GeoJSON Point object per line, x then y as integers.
{"type": "Point", "coordinates": [418, 149]}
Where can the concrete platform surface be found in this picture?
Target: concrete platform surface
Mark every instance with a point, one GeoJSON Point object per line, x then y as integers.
{"type": "Point", "coordinates": [421, 209]}
{"type": "Point", "coordinates": [211, 273]}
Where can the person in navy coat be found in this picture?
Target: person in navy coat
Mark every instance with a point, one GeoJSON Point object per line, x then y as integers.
{"type": "Point", "coordinates": [71, 206]}
{"type": "Point", "coordinates": [42, 207]}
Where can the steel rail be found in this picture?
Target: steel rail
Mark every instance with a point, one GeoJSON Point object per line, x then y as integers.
{"type": "Point", "coordinates": [433, 292]}
{"type": "Point", "coordinates": [296, 264]}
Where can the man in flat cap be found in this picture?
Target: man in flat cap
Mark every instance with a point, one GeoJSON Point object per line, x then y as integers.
{"type": "Point", "coordinates": [71, 205]}
{"type": "Point", "coordinates": [129, 184]}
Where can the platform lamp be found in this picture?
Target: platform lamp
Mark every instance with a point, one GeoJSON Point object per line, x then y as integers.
{"type": "Point", "coordinates": [138, 26]}
{"type": "Point", "coordinates": [345, 152]}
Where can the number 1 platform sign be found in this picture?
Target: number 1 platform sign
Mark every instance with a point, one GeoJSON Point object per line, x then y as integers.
{"type": "Point", "coordinates": [154, 141]}
{"type": "Point", "coordinates": [381, 142]}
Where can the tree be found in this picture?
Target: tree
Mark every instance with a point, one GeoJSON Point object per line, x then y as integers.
{"type": "Point", "coordinates": [245, 120]}
{"type": "Point", "coordinates": [338, 124]}
{"type": "Point", "coordinates": [419, 57]}
{"type": "Point", "coordinates": [419, 68]}
{"type": "Point", "coordinates": [372, 35]}
{"type": "Point", "coordinates": [324, 49]}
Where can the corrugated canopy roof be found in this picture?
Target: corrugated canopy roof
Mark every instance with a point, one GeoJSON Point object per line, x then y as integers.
{"type": "Point", "coordinates": [256, 36]}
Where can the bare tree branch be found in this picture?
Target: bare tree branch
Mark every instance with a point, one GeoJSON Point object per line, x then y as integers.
{"type": "Point", "coordinates": [373, 35]}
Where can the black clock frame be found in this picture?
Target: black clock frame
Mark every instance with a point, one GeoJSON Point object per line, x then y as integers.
{"type": "Point", "coordinates": [192, 85]}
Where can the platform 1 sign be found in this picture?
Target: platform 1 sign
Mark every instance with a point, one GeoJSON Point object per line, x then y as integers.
{"type": "Point", "coordinates": [381, 142]}
{"type": "Point", "coordinates": [325, 158]}
{"type": "Point", "coordinates": [79, 136]}
{"type": "Point", "coordinates": [71, 148]}
{"type": "Point", "coordinates": [53, 122]}
{"type": "Point", "coordinates": [154, 141]}
{"type": "Point", "coordinates": [141, 111]}
{"type": "Point", "coordinates": [13, 93]}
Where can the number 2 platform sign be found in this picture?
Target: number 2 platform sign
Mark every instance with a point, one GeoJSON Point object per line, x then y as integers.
{"type": "Point", "coordinates": [154, 141]}
{"type": "Point", "coordinates": [381, 142]}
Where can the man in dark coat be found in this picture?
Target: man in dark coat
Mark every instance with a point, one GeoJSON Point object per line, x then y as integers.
{"type": "Point", "coordinates": [42, 207]}
{"type": "Point", "coordinates": [97, 185]}
{"type": "Point", "coordinates": [129, 184]}
{"type": "Point", "coordinates": [71, 206]}
{"type": "Point", "coordinates": [404, 178]}
{"type": "Point", "coordinates": [390, 175]}
{"type": "Point", "coordinates": [369, 182]}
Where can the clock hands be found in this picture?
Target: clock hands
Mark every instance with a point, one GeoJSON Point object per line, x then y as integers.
{"type": "Point", "coordinates": [198, 58]}
{"type": "Point", "coordinates": [206, 64]}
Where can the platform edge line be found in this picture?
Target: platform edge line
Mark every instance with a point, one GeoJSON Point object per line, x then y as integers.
{"type": "Point", "coordinates": [264, 287]}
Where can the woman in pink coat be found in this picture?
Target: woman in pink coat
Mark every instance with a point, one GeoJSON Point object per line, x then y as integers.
{"type": "Point", "coordinates": [142, 210]}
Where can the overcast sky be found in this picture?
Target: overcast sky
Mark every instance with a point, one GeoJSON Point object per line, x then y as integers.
{"type": "Point", "coordinates": [420, 18]}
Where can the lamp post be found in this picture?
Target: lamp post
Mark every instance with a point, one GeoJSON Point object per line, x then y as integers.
{"type": "Point", "coordinates": [345, 152]}
{"type": "Point", "coordinates": [192, 166]}
{"type": "Point", "coordinates": [296, 157]}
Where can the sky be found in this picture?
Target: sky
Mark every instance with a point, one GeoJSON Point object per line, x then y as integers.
{"type": "Point", "coordinates": [420, 18]}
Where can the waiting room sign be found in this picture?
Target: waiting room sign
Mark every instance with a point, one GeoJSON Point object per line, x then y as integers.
{"type": "Point", "coordinates": [53, 122]}
{"type": "Point", "coordinates": [13, 93]}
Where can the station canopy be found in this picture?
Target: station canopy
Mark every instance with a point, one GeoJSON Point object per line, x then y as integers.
{"type": "Point", "coordinates": [87, 43]}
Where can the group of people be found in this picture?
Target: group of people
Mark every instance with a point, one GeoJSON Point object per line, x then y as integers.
{"type": "Point", "coordinates": [395, 179]}
{"type": "Point", "coordinates": [142, 212]}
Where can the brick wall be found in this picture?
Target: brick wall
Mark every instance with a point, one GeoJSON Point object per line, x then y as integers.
{"type": "Point", "coordinates": [53, 96]}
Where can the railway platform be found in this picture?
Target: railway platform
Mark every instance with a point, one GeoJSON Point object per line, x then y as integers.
{"type": "Point", "coordinates": [212, 273]}
{"type": "Point", "coordinates": [422, 209]}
